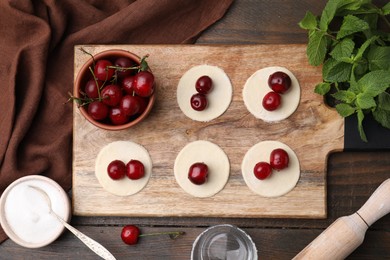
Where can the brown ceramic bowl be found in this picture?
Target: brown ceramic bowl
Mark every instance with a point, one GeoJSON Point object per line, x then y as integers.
{"type": "Point", "coordinates": [85, 74]}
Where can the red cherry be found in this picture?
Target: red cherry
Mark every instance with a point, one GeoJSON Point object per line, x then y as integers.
{"type": "Point", "coordinates": [143, 103]}
{"type": "Point", "coordinates": [143, 84]}
{"type": "Point", "coordinates": [135, 170]}
{"type": "Point", "coordinates": [271, 101]}
{"type": "Point", "coordinates": [116, 170]}
{"type": "Point", "coordinates": [91, 89]}
{"type": "Point", "coordinates": [199, 102]}
{"type": "Point", "coordinates": [102, 72]}
{"type": "Point", "coordinates": [130, 105]}
{"type": "Point", "coordinates": [117, 116]}
{"type": "Point", "coordinates": [98, 110]}
{"type": "Point", "coordinates": [198, 173]}
{"type": "Point", "coordinates": [127, 84]}
{"type": "Point", "coordinates": [262, 170]}
{"type": "Point", "coordinates": [279, 159]}
{"type": "Point", "coordinates": [123, 62]}
{"type": "Point", "coordinates": [112, 95]}
{"type": "Point", "coordinates": [279, 82]}
{"type": "Point", "coordinates": [130, 234]}
{"type": "Point", "coordinates": [204, 84]}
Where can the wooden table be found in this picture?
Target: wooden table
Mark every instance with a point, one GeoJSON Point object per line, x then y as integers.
{"type": "Point", "coordinates": [351, 177]}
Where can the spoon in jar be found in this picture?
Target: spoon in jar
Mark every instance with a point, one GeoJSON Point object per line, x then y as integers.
{"type": "Point", "coordinates": [89, 242]}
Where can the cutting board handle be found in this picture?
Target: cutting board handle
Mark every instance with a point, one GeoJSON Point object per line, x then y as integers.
{"type": "Point", "coordinates": [377, 205]}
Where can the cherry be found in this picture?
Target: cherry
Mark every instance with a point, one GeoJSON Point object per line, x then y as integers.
{"type": "Point", "coordinates": [143, 103]}
{"type": "Point", "coordinates": [117, 116]}
{"type": "Point", "coordinates": [279, 82]}
{"type": "Point", "coordinates": [279, 159]}
{"type": "Point", "coordinates": [130, 234]}
{"type": "Point", "coordinates": [112, 95]}
{"type": "Point", "coordinates": [204, 84]}
{"type": "Point", "coordinates": [198, 173]}
{"type": "Point", "coordinates": [91, 89]}
{"type": "Point", "coordinates": [130, 105]}
{"type": "Point", "coordinates": [262, 170]}
{"type": "Point", "coordinates": [127, 84]}
{"type": "Point", "coordinates": [271, 101]}
{"type": "Point", "coordinates": [101, 70]}
{"type": "Point", "coordinates": [123, 62]}
{"type": "Point", "coordinates": [116, 170]}
{"type": "Point", "coordinates": [98, 110]}
{"type": "Point", "coordinates": [199, 102]}
{"type": "Point", "coordinates": [135, 170]}
{"type": "Point", "coordinates": [143, 84]}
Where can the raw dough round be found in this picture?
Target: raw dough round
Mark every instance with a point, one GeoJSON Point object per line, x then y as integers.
{"type": "Point", "coordinates": [216, 160]}
{"type": "Point", "coordinates": [124, 151]}
{"type": "Point", "coordinates": [279, 182]}
{"type": "Point", "coordinates": [256, 87]}
{"type": "Point", "coordinates": [219, 97]}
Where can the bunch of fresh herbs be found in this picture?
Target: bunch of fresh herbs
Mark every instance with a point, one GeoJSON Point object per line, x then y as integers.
{"type": "Point", "coordinates": [355, 54]}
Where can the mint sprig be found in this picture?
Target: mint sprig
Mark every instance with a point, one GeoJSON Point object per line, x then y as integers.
{"type": "Point", "coordinates": [355, 57]}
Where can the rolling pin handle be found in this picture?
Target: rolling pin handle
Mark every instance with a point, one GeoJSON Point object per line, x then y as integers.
{"type": "Point", "coordinates": [377, 205]}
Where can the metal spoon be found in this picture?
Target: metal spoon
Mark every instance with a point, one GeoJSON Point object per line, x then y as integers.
{"type": "Point", "coordinates": [92, 244]}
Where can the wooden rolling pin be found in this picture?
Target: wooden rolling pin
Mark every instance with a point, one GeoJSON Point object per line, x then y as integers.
{"type": "Point", "coordinates": [347, 233]}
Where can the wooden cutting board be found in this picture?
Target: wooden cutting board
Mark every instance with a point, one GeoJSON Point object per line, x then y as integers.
{"type": "Point", "coordinates": [313, 132]}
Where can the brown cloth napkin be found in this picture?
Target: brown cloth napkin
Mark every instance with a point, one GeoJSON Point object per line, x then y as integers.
{"type": "Point", "coordinates": [37, 41]}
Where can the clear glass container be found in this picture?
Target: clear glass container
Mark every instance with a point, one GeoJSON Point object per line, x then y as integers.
{"type": "Point", "coordinates": [224, 242]}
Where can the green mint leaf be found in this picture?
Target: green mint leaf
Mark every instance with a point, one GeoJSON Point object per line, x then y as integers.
{"type": "Point", "coordinates": [345, 96]}
{"type": "Point", "coordinates": [335, 71]}
{"type": "Point", "coordinates": [383, 101]}
{"type": "Point", "coordinates": [382, 116]}
{"type": "Point", "coordinates": [342, 51]}
{"type": "Point", "coordinates": [365, 101]}
{"type": "Point", "coordinates": [386, 9]}
{"type": "Point", "coordinates": [364, 47]}
{"type": "Point", "coordinates": [382, 112]}
{"type": "Point", "coordinates": [345, 110]}
{"type": "Point", "coordinates": [360, 116]}
{"type": "Point", "coordinates": [372, 20]}
{"type": "Point", "coordinates": [356, 5]}
{"type": "Point", "coordinates": [317, 47]}
{"type": "Point", "coordinates": [309, 22]}
{"type": "Point", "coordinates": [375, 82]}
{"type": "Point", "coordinates": [322, 88]}
{"type": "Point", "coordinates": [351, 24]}
{"type": "Point", "coordinates": [361, 68]}
{"type": "Point", "coordinates": [379, 58]}
{"type": "Point", "coordinates": [330, 10]}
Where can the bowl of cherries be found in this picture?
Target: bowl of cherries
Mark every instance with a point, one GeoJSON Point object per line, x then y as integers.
{"type": "Point", "coordinates": [114, 89]}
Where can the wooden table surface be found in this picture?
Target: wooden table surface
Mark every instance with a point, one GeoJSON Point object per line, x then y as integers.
{"type": "Point", "coordinates": [351, 176]}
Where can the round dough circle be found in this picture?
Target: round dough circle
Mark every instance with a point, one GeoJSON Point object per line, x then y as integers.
{"type": "Point", "coordinates": [210, 154]}
{"type": "Point", "coordinates": [279, 182]}
{"type": "Point", "coordinates": [219, 97]}
{"type": "Point", "coordinates": [256, 87]}
{"type": "Point", "coordinates": [124, 151]}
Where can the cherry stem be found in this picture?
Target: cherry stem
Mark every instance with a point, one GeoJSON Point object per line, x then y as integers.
{"type": "Point", "coordinates": [118, 68]}
{"type": "Point", "coordinates": [172, 234]}
{"type": "Point", "coordinates": [93, 58]}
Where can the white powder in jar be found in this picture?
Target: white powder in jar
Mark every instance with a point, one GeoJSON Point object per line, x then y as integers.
{"type": "Point", "coordinates": [28, 214]}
